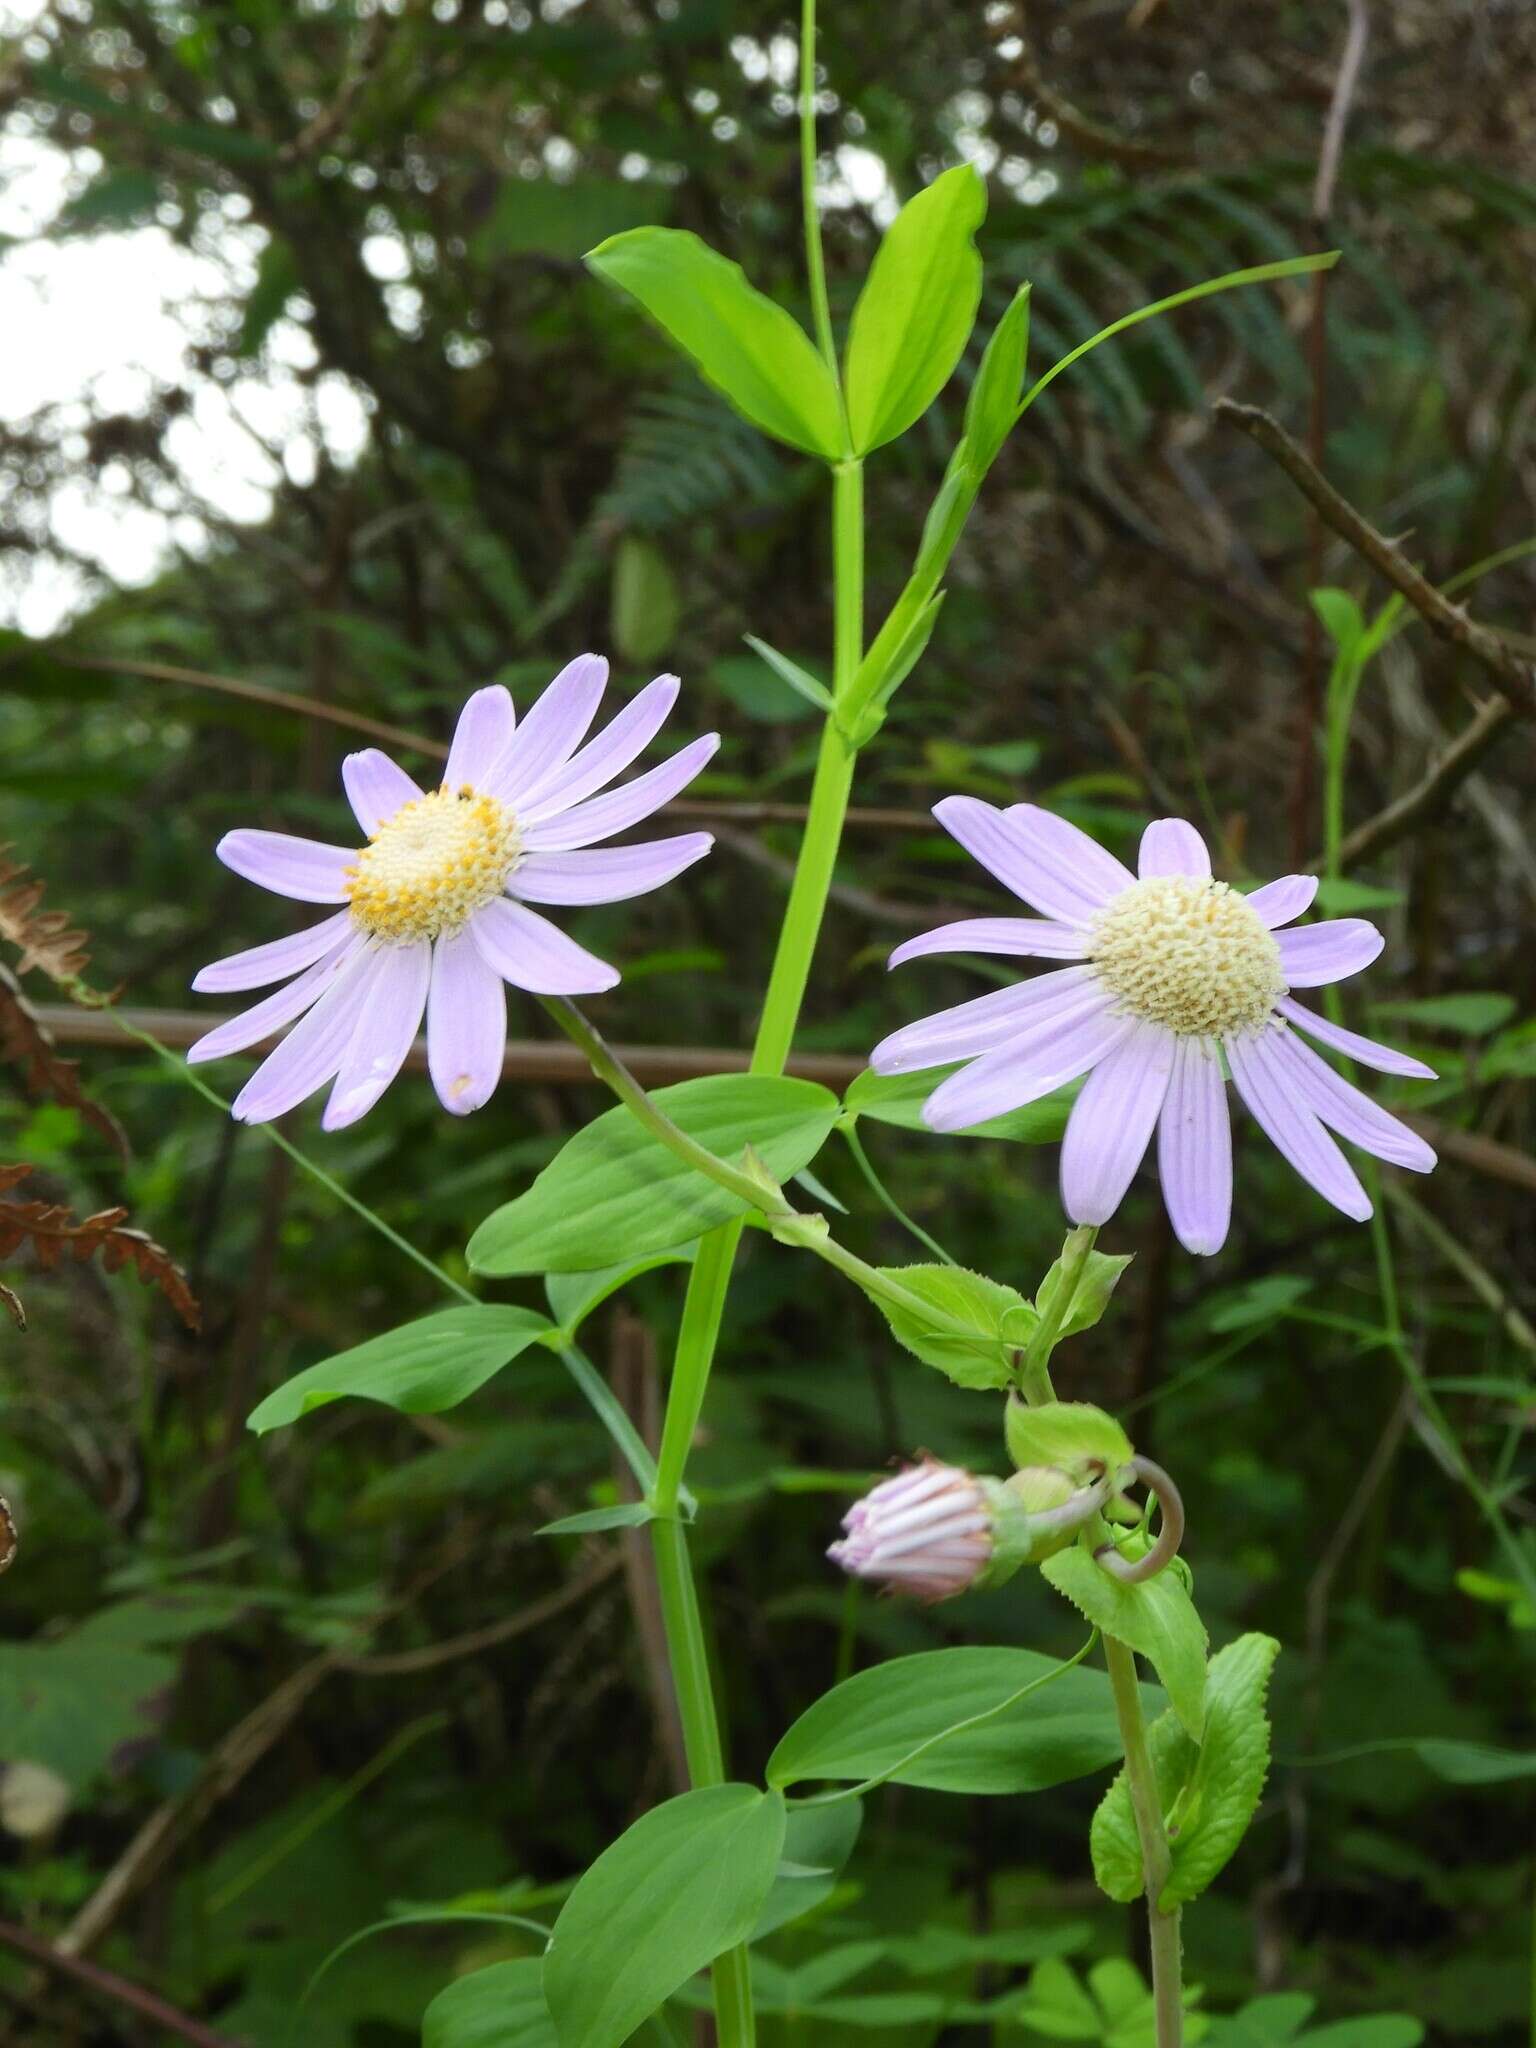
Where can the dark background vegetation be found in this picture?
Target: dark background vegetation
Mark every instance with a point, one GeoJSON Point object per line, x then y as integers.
{"type": "Point", "coordinates": [1127, 633]}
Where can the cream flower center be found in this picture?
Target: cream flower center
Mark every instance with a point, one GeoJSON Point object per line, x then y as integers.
{"type": "Point", "coordinates": [1184, 951]}
{"type": "Point", "coordinates": [429, 868]}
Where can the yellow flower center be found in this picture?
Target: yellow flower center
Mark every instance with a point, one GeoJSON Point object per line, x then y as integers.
{"type": "Point", "coordinates": [1186, 952]}
{"type": "Point", "coordinates": [431, 866]}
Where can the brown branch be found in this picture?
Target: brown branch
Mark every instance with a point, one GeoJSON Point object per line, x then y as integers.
{"type": "Point", "coordinates": [878, 818]}
{"type": "Point", "coordinates": [1514, 679]}
{"type": "Point", "coordinates": [1344, 87]}
{"type": "Point", "coordinates": [1430, 795]}
{"type": "Point", "coordinates": [526, 1059]}
{"type": "Point", "coordinates": [111, 1986]}
{"type": "Point", "coordinates": [404, 1663]}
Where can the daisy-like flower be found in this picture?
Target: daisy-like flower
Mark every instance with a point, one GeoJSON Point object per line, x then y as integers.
{"type": "Point", "coordinates": [927, 1532]}
{"type": "Point", "coordinates": [1170, 970]}
{"type": "Point", "coordinates": [435, 913]}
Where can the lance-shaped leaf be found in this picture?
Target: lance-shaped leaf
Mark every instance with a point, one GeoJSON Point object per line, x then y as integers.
{"type": "Point", "coordinates": [686, 1882]}
{"type": "Point", "coordinates": [744, 344]}
{"type": "Point", "coordinates": [915, 313]}
{"type": "Point", "coordinates": [421, 1368]}
{"type": "Point", "coordinates": [1208, 1790]}
{"type": "Point", "coordinates": [993, 405]}
{"type": "Point", "coordinates": [499, 2007]}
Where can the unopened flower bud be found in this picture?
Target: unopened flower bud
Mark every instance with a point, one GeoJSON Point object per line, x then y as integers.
{"type": "Point", "coordinates": [927, 1532]}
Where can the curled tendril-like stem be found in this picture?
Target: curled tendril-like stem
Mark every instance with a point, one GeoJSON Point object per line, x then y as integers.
{"type": "Point", "coordinates": [1135, 1571]}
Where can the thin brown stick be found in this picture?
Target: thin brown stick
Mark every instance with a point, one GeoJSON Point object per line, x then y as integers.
{"type": "Point", "coordinates": [1514, 678]}
{"type": "Point", "coordinates": [1429, 796]}
{"type": "Point", "coordinates": [404, 1663]}
{"type": "Point", "coordinates": [526, 1059]}
{"type": "Point", "coordinates": [873, 817]}
{"type": "Point", "coordinates": [118, 1989]}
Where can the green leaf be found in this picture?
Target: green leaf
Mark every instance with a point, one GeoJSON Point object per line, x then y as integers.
{"type": "Point", "coordinates": [871, 1726]}
{"type": "Point", "coordinates": [1209, 1791]}
{"type": "Point", "coordinates": [1070, 1435]}
{"type": "Point", "coordinates": [799, 680]}
{"type": "Point", "coordinates": [645, 601]}
{"type": "Point", "coordinates": [915, 313]}
{"type": "Point", "coordinates": [1341, 615]}
{"type": "Point", "coordinates": [69, 1705]}
{"type": "Point", "coordinates": [573, 1296]}
{"type": "Point", "coordinates": [898, 1099]}
{"type": "Point", "coordinates": [1473, 1015]}
{"type": "Point", "coordinates": [999, 1316]}
{"type": "Point", "coordinates": [687, 1881]}
{"type": "Point", "coordinates": [819, 1840]}
{"type": "Point", "coordinates": [750, 349]}
{"type": "Point", "coordinates": [420, 1369]}
{"type": "Point", "coordinates": [628, 1514]}
{"type": "Point", "coordinates": [1277, 2020]}
{"type": "Point", "coordinates": [1157, 1618]}
{"type": "Point", "coordinates": [1475, 1763]}
{"type": "Point", "coordinates": [993, 405]}
{"type": "Point", "coordinates": [499, 2007]}
{"type": "Point", "coordinates": [1096, 1282]}
{"type": "Point", "coordinates": [614, 1184]}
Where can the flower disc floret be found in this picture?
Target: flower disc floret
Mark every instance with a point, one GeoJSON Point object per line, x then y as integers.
{"type": "Point", "coordinates": [1189, 953]}
{"type": "Point", "coordinates": [428, 868]}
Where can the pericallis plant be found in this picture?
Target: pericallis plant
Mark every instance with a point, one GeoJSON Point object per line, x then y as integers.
{"type": "Point", "coordinates": [1161, 986]}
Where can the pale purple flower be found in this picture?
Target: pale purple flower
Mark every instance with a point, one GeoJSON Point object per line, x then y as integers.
{"type": "Point", "coordinates": [927, 1532]}
{"type": "Point", "coordinates": [1169, 971]}
{"type": "Point", "coordinates": [436, 910]}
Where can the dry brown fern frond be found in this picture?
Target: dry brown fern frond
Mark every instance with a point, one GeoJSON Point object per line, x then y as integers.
{"type": "Point", "coordinates": [46, 938]}
{"type": "Point", "coordinates": [53, 1230]}
{"type": "Point", "coordinates": [26, 1042]}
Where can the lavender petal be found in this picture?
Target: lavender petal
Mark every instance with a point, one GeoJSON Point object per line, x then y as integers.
{"type": "Point", "coordinates": [1032, 1065]}
{"type": "Point", "coordinates": [621, 741]}
{"type": "Point", "coordinates": [1382, 1057]}
{"type": "Point", "coordinates": [300, 868]}
{"type": "Point", "coordinates": [313, 1051]}
{"type": "Point", "coordinates": [1313, 954]}
{"type": "Point", "coordinates": [1112, 1122]}
{"type": "Point", "coordinates": [606, 874]}
{"type": "Point", "coordinates": [601, 816]}
{"type": "Point", "coordinates": [1268, 1089]}
{"type": "Point", "coordinates": [466, 1025]}
{"type": "Point", "coordinates": [981, 1024]}
{"type": "Point", "coordinates": [376, 788]}
{"type": "Point", "coordinates": [1345, 1109]}
{"type": "Point", "coordinates": [551, 732]}
{"type": "Point", "coordinates": [1194, 1148]}
{"type": "Point", "coordinates": [1037, 936]}
{"type": "Point", "coordinates": [235, 1034]}
{"type": "Point", "coordinates": [1280, 901]}
{"type": "Point", "coordinates": [258, 966]}
{"type": "Point", "coordinates": [534, 954]}
{"type": "Point", "coordinates": [1170, 846]}
{"type": "Point", "coordinates": [384, 1033]}
{"type": "Point", "coordinates": [1042, 859]}
{"type": "Point", "coordinates": [481, 737]}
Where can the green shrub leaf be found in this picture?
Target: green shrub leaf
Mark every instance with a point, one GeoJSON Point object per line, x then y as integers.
{"type": "Point", "coordinates": [872, 1725]}
{"type": "Point", "coordinates": [614, 1184]}
{"type": "Point", "coordinates": [744, 344]}
{"type": "Point", "coordinates": [420, 1369]}
{"type": "Point", "coordinates": [499, 2007]}
{"type": "Point", "coordinates": [915, 313]}
{"type": "Point", "coordinates": [1157, 1619]}
{"type": "Point", "coordinates": [686, 1882]}
{"type": "Point", "coordinates": [999, 1316]}
{"type": "Point", "coordinates": [1208, 1790]}
{"type": "Point", "coordinates": [1069, 1434]}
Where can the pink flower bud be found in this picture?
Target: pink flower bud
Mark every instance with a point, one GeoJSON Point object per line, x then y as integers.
{"type": "Point", "coordinates": [927, 1532]}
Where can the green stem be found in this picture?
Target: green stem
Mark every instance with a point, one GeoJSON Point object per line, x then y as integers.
{"type": "Point", "coordinates": [1151, 1831]}
{"type": "Point", "coordinates": [888, 1201]}
{"type": "Point", "coordinates": [1156, 1862]}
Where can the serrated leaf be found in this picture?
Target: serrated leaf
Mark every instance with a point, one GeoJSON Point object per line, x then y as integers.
{"type": "Point", "coordinates": [614, 1184]}
{"type": "Point", "coordinates": [898, 1099]}
{"type": "Point", "coordinates": [1097, 1281]}
{"type": "Point", "coordinates": [686, 1882]}
{"type": "Point", "coordinates": [1157, 1619]}
{"type": "Point", "coordinates": [1209, 1791]}
{"type": "Point", "coordinates": [744, 344]}
{"type": "Point", "coordinates": [915, 313]}
{"type": "Point", "coordinates": [1000, 1318]}
{"type": "Point", "coordinates": [1072, 1435]}
{"type": "Point", "coordinates": [499, 2007]}
{"type": "Point", "coordinates": [421, 1368]}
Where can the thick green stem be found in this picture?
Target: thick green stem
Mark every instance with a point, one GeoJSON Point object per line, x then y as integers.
{"type": "Point", "coordinates": [1035, 1370]}
{"type": "Point", "coordinates": [1146, 1804]}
